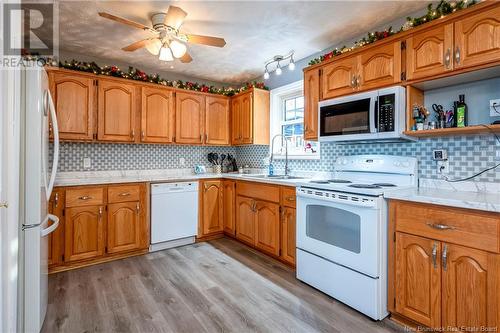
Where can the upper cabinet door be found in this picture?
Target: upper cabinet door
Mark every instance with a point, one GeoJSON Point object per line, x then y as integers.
{"type": "Point", "coordinates": [470, 287]}
{"type": "Point", "coordinates": [74, 101]}
{"type": "Point", "coordinates": [190, 110]}
{"type": "Point", "coordinates": [246, 119]}
{"type": "Point", "coordinates": [217, 121]}
{"type": "Point", "coordinates": [430, 52]}
{"type": "Point", "coordinates": [236, 120]}
{"type": "Point", "coordinates": [339, 77]}
{"type": "Point", "coordinates": [116, 111]}
{"type": "Point", "coordinates": [157, 115]}
{"type": "Point", "coordinates": [477, 39]}
{"type": "Point", "coordinates": [311, 100]}
{"type": "Point", "coordinates": [380, 66]}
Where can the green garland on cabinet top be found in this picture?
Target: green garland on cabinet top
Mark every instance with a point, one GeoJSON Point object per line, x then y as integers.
{"type": "Point", "coordinates": [445, 7]}
{"type": "Point", "coordinates": [138, 75]}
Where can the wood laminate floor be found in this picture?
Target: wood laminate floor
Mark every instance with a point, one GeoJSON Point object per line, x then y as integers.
{"type": "Point", "coordinates": [218, 286]}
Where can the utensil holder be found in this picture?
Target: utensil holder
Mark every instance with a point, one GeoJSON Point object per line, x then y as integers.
{"type": "Point", "coordinates": [218, 169]}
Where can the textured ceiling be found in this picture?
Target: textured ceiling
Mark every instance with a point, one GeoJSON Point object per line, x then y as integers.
{"type": "Point", "coordinates": [254, 31]}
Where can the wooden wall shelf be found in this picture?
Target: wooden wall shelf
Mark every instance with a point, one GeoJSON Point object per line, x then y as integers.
{"type": "Point", "coordinates": [478, 129]}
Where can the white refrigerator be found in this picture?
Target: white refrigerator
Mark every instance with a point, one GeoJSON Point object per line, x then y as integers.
{"type": "Point", "coordinates": [37, 180]}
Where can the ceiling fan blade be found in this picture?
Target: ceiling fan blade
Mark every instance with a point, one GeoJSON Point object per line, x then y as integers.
{"type": "Point", "coordinates": [154, 46]}
{"type": "Point", "coordinates": [124, 21]}
{"type": "Point", "coordinates": [137, 45]}
{"type": "Point", "coordinates": [175, 17]}
{"type": "Point", "coordinates": [186, 58]}
{"type": "Point", "coordinates": [206, 40]}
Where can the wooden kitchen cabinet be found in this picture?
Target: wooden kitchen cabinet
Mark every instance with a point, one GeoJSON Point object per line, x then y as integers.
{"type": "Point", "coordinates": [311, 100]}
{"type": "Point", "coordinates": [217, 121]}
{"type": "Point", "coordinates": [477, 39]}
{"type": "Point", "coordinates": [189, 115]}
{"type": "Point", "coordinates": [116, 111]}
{"type": "Point", "coordinates": [250, 117]}
{"type": "Point", "coordinates": [157, 115]}
{"type": "Point", "coordinates": [430, 52]}
{"type": "Point", "coordinates": [56, 238]}
{"type": "Point", "coordinates": [245, 221]}
{"type": "Point", "coordinates": [380, 66]}
{"type": "Point", "coordinates": [229, 207]}
{"type": "Point", "coordinates": [288, 235]}
{"type": "Point", "coordinates": [339, 77]}
{"type": "Point", "coordinates": [123, 227]}
{"type": "Point", "coordinates": [211, 203]}
{"type": "Point", "coordinates": [74, 98]}
{"type": "Point", "coordinates": [267, 227]}
{"type": "Point", "coordinates": [84, 232]}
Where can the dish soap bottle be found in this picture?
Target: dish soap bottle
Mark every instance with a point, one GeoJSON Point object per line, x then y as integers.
{"type": "Point", "coordinates": [461, 114]}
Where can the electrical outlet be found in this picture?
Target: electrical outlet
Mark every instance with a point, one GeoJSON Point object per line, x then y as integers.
{"type": "Point", "coordinates": [494, 107]}
{"type": "Point", "coordinates": [86, 162]}
{"type": "Point", "coordinates": [443, 167]}
{"type": "Point", "coordinates": [182, 161]}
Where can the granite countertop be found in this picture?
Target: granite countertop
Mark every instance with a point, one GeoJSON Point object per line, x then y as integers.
{"type": "Point", "coordinates": [486, 201]}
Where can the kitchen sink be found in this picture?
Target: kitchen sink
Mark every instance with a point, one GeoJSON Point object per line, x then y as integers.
{"type": "Point", "coordinates": [274, 177]}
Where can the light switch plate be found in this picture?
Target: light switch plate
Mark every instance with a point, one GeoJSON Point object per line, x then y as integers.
{"type": "Point", "coordinates": [86, 163]}
{"type": "Point", "coordinates": [494, 107]}
{"type": "Point", "coordinates": [182, 161]}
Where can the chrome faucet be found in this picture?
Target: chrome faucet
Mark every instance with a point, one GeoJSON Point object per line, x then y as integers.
{"type": "Point", "coordinates": [286, 153]}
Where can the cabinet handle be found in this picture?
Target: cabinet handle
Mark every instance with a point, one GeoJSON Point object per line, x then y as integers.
{"type": "Point", "coordinates": [290, 198]}
{"type": "Point", "coordinates": [56, 199]}
{"type": "Point", "coordinates": [100, 212]}
{"type": "Point", "coordinates": [447, 58]}
{"type": "Point", "coordinates": [434, 255]}
{"type": "Point", "coordinates": [137, 208]}
{"type": "Point", "coordinates": [438, 226]}
{"type": "Point", "coordinates": [4, 204]}
{"type": "Point", "coordinates": [353, 81]}
{"type": "Point", "coordinates": [457, 55]}
{"type": "Point", "coordinates": [143, 135]}
{"type": "Point", "coordinates": [444, 257]}
{"type": "Point", "coordinates": [253, 206]}
{"type": "Point", "coordinates": [358, 79]}
{"type": "Point", "coordinates": [132, 134]}
{"type": "Point", "coordinates": [85, 197]}
{"type": "Point", "coordinates": [124, 194]}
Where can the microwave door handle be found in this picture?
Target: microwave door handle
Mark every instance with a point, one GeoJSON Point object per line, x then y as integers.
{"type": "Point", "coordinates": [372, 115]}
{"type": "Point", "coordinates": [376, 112]}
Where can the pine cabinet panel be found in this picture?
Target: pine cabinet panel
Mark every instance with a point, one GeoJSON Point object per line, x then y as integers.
{"type": "Point", "coordinates": [157, 115]}
{"type": "Point", "coordinates": [418, 279]}
{"type": "Point", "coordinates": [470, 288]}
{"type": "Point", "coordinates": [338, 78]}
{"type": "Point", "coordinates": [288, 232]}
{"type": "Point", "coordinates": [229, 202]}
{"type": "Point", "coordinates": [116, 111]}
{"type": "Point", "coordinates": [380, 66]}
{"type": "Point", "coordinates": [56, 238]}
{"type": "Point", "coordinates": [267, 225]}
{"type": "Point", "coordinates": [74, 98]}
{"type": "Point", "coordinates": [477, 39]}
{"type": "Point", "coordinates": [245, 221]}
{"type": "Point", "coordinates": [250, 117]}
{"type": "Point", "coordinates": [235, 120]}
{"type": "Point", "coordinates": [84, 233]}
{"type": "Point", "coordinates": [217, 121]}
{"type": "Point", "coordinates": [246, 119]}
{"type": "Point", "coordinates": [429, 53]}
{"type": "Point", "coordinates": [311, 100]}
{"type": "Point", "coordinates": [211, 208]}
{"type": "Point", "coordinates": [189, 113]}
{"type": "Point", "coordinates": [123, 227]}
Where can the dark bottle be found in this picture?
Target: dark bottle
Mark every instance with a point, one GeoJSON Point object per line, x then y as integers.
{"type": "Point", "coordinates": [461, 114]}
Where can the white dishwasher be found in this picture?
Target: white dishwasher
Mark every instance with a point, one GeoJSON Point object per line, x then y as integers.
{"type": "Point", "coordinates": [174, 214]}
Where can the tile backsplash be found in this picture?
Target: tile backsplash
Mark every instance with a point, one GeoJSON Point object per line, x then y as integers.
{"type": "Point", "coordinates": [467, 156]}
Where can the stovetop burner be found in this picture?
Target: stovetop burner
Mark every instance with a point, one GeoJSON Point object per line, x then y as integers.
{"type": "Point", "coordinates": [364, 186]}
{"type": "Point", "coordinates": [339, 181]}
{"type": "Point", "coordinates": [385, 184]}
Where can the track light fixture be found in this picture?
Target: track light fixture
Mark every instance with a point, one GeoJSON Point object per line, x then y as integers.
{"type": "Point", "coordinates": [277, 59]}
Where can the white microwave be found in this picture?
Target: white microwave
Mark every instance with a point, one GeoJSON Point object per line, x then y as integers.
{"type": "Point", "coordinates": [373, 115]}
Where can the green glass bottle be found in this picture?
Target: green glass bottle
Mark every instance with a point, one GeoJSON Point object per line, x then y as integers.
{"type": "Point", "coordinates": [461, 114]}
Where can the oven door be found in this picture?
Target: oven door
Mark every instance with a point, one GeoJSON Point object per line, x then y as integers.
{"type": "Point", "coordinates": [343, 233]}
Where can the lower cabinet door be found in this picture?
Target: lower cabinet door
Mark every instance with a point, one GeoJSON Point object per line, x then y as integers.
{"type": "Point", "coordinates": [56, 238]}
{"type": "Point", "coordinates": [418, 279]}
{"type": "Point", "coordinates": [245, 220]}
{"type": "Point", "coordinates": [288, 235]}
{"type": "Point", "coordinates": [267, 227]}
{"type": "Point", "coordinates": [124, 227]}
{"type": "Point", "coordinates": [229, 194]}
{"type": "Point", "coordinates": [470, 288]}
{"type": "Point", "coordinates": [211, 208]}
{"type": "Point", "coordinates": [84, 233]}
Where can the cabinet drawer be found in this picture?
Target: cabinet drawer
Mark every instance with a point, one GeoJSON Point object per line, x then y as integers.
{"type": "Point", "coordinates": [288, 197]}
{"type": "Point", "coordinates": [89, 196]}
{"type": "Point", "coordinates": [471, 228]}
{"type": "Point", "coordinates": [124, 193]}
{"type": "Point", "coordinates": [258, 191]}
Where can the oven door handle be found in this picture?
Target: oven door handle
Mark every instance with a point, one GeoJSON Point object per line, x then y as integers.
{"type": "Point", "coordinates": [345, 200]}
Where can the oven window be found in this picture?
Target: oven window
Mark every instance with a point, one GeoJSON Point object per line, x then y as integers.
{"type": "Point", "coordinates": [334, 226]}
{"type": "Point", "coordinates": [345, 118]}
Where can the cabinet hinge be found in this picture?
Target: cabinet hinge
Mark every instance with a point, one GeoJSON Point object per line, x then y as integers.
{"type": "Point", "coordinates": [62, 257]}
{"type": "Point", "coordinates": [403, 45]}
{"type": "Point", "coordinates": [403, 76]}
{"type": "Point", "coordinates": [95, 136]}
{"type": "Point", "coordinates": [394, 238]}
{"type": "Point", "coordinates": [63, 212]}
{"type": "Point", "coordinates": [279, 252]}
{"type": "Point", "coordinates": [394, 302]}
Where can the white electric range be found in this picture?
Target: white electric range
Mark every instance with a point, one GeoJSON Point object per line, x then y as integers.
{"type": "Point", "coordinates": [342, 229]}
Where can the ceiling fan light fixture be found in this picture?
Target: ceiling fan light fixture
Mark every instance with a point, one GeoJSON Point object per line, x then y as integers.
{"type": "Point", "coordinates": [178, 49]}
{"type": "Point", "coordinates": [166, 54]}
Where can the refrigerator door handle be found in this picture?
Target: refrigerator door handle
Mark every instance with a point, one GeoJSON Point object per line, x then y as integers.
{"type": "Point", "coordinates": [55, 128]}
{"type": "Point", "coordinates": [53, 226]}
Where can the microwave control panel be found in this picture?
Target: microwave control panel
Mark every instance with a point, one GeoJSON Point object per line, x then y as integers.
{"type": "Point", "coordinates": [386, 106]}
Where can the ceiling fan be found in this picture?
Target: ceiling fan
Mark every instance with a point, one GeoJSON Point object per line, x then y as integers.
{"type": "Point", "coordinates": [169, 42]}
